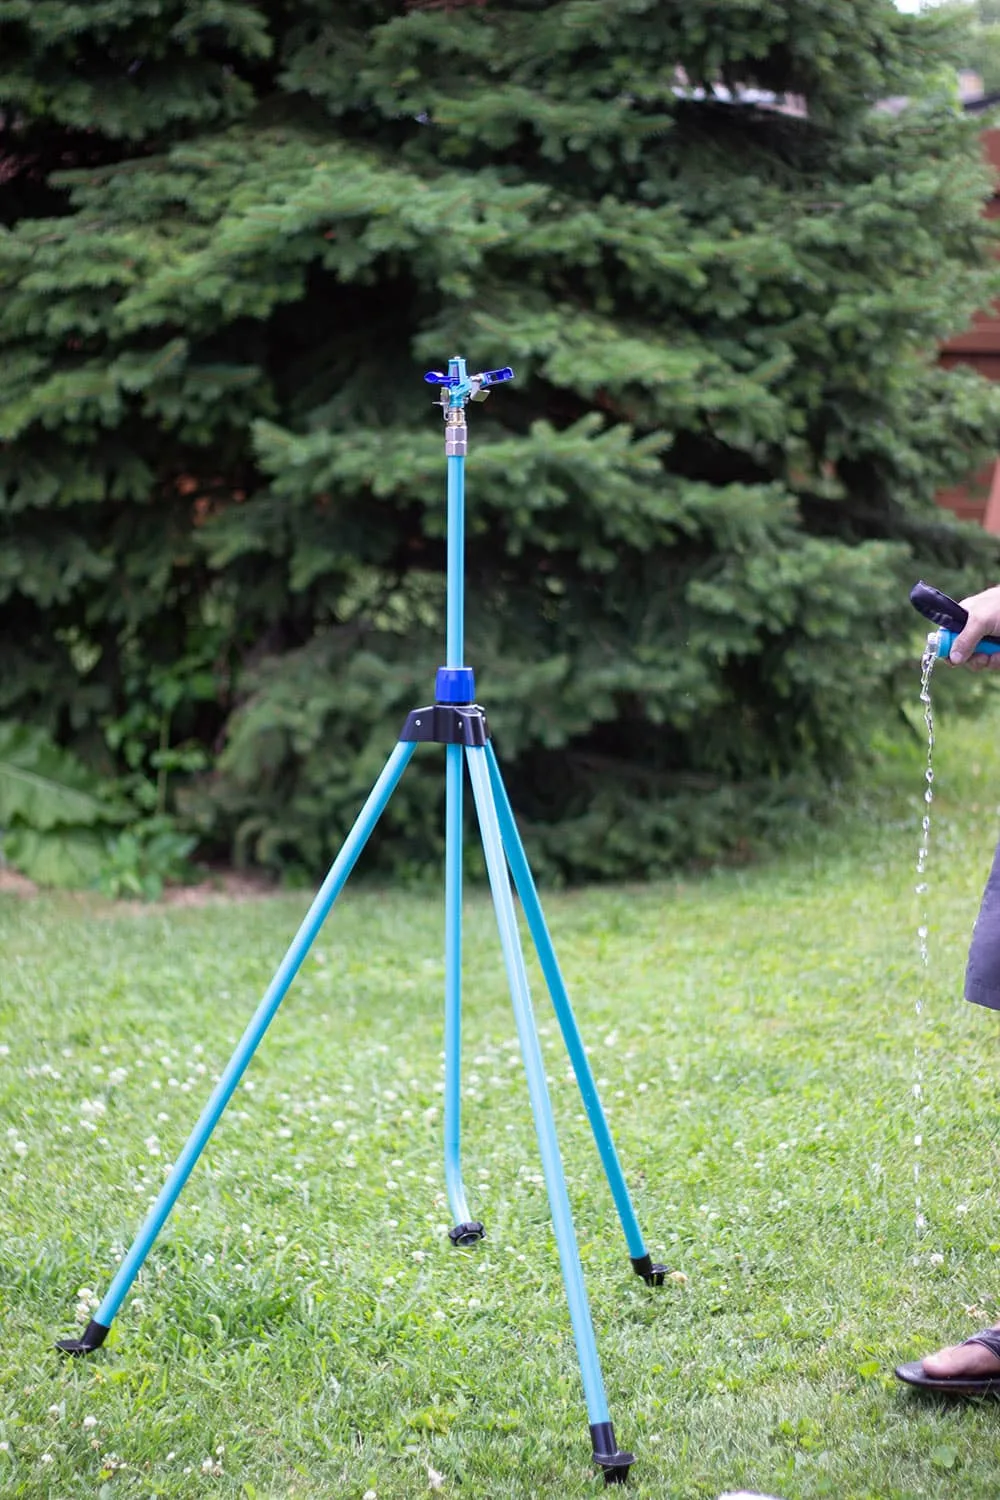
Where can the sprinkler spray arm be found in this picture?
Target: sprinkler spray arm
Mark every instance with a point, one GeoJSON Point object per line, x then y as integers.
{"type": "Point", "coordinates": [464, 387]}
{"type": "Point", "coordinates": [458, 387]}
{"type": "Point", "coordinates": [951, 619]}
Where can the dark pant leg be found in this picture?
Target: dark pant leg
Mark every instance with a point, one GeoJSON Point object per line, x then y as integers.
{"type": "Point", "coordinates": [982, 976]}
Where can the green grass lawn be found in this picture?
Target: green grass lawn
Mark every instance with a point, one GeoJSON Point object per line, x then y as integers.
{"type": "Point", "coordinates": [304, 1328]}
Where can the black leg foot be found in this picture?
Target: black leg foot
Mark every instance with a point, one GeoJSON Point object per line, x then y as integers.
{"type": "Point", "coordinates": [467, 1234]}
{"type": "Point", "coordinates": [92, 1338]}
{"type": "Point", "coordinates": [614, 1461]}
{"type": "Point", "coordinates": [651, 1274]}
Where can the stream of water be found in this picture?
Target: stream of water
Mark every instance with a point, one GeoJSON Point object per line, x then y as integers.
{"type": "Point", "coordinates": [923, 924]}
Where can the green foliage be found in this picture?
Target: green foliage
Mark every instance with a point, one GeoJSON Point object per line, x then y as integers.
{"type": "Point", "coordinates": [62, 827]}
{"type": "Point", "coordinates": [140, 861]}
{"type": "Point", "coordinates": [235, 234]}
{"type": "Point", "coordinates": [53, 818]}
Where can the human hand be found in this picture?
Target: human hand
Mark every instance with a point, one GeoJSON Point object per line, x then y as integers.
{"type": "Point", "coordinates": [984, 619]}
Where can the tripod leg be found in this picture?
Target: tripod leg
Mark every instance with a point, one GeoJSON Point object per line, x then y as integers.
{"type": "Point", "coordinates": [607, 1455]}
{"type": "Point", "coordinates": [97, 1329]}
{"type": "Point", "coordinates": [642, 1262]}
{"type": "Point", "coordinates": [466, 1230]}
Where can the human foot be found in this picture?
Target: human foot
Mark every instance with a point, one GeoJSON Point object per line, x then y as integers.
{"type": "Point", "coordinates": [971, 1367]}
{"type": "Point", "coordinates": [972, 1358]}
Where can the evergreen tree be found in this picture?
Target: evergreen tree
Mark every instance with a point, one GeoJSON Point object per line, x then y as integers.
{"type": "Point", "coordinates": [238, 230]}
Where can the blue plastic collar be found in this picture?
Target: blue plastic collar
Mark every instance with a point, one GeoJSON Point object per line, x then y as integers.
{"type": "Point", "coordinates": [455, 685]}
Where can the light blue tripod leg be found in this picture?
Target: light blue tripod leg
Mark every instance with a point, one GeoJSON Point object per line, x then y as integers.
{"type": "Point", "coordinates": [517, 859]}
{"type": "Point", "coordinates": [465, 1231]}
{"type": "Point", "coordinates": [96, 1331]}
{"type": "Point", "coordinates": [606, 1452]}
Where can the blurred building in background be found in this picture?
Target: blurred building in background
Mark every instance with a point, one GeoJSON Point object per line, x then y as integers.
{"type": "Point", "coordinates": [979, 498]}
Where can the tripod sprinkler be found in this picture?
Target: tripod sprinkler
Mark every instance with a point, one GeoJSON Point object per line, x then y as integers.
{"type": "Point", "coordinates": [457, 723]}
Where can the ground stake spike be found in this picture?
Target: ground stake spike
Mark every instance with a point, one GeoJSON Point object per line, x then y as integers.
{"type": "Point", "coordinates": [92, 1338]}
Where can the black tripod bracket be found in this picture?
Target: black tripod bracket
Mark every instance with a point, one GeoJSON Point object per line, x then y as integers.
{"type": "Point", "coordinates": [447, 724]}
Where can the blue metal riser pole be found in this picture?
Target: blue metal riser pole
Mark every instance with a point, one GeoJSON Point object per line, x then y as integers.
{"type": "Point", "coordinates": [453, 986]}
{"type": "Point", "coordinates": [534, 1066]}
{"type": "Point", "coordinates": [528, 894]}
{"type": "Point", "coordinates": [264, 1014]}
{"type": "Point", "coordinates": [455, 644]}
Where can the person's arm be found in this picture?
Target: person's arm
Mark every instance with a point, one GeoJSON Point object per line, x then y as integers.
{"type": "Point", "coordinates": [984, 619]}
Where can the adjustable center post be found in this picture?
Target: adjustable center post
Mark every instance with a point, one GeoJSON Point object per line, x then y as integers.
{"type": "Point", "coordinates": [455, 681]}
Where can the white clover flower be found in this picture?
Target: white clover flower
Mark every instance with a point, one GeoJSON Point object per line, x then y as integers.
{"type": "Point", "coordinates": [89, 1421]}
{"type": "Point", "coordinates": [4, 1051]}
{"type": "Point", "coordinates": [118, 1075]}
{"type": "Point", "coordinates": [208, 1258]}
{"type": "Point", "coordinates": [47, 1458]}
{"type": "Point", "coordinates": [21, 1148]}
